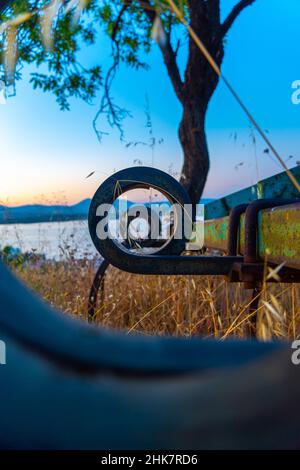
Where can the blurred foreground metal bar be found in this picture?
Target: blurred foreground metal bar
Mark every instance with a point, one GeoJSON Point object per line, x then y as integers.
{"type": "Point", "coordinates": [68, 385]}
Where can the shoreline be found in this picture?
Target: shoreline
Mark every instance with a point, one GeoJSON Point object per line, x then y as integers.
{"type": "Point", "coordinates": [42, 220]}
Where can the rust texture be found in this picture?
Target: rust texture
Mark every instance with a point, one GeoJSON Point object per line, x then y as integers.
{"type": "Point", "coordinates": [278, 235]}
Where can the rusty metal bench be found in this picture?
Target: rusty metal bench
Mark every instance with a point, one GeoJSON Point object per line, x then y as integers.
{"type": "Point", "coordinates": [253, 227]}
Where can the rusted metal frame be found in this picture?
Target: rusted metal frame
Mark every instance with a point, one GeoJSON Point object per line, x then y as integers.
{"type": "Point", "coordinates": [278, 232]}
{"type": "Point", "coordinates": [279, 235]}
{"type": "Point", "coordinates": [168, 264]}
{"type": "Point", "coordinates": [255, 274]}
{"type": "Point", "coordinates": [233, 229]}
{"type": "Point", "coordinates": [248, 269]}
{"type": "Point", "coordinates": [251, 224]}
{"type": "Point", "coordinates": [96, 289]}
{"type": "Point", "coordinates": [98, 282]}
{"type": "Point", "coordinates": [234, 268]}
{"type": "Point", "coordinates": [252, 271]}
{"type": "Point", "coordinates": [216, 233]}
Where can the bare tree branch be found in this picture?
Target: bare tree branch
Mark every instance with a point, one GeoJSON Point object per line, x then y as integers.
{"type": "Point", "coordinates": [114, 114]}
{"type": "Point", "coordinates": [118, 21]}
{"type": "Point", "coordinates": [168, 53]}
{"type": "Point", "coordinates": [235, 12]}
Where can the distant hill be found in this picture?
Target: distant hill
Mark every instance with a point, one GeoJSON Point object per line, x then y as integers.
{"type": "Point", "coordinates": [44, 213]}
{"type": "Point", "coordinates": [36, 213]}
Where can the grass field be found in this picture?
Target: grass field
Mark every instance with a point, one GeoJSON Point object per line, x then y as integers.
{"type": "Point", "coordinates": [167, 304]}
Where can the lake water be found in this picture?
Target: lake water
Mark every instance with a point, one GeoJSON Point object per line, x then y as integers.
{"type": "Point", "coordinates": [53, 239]}
{"type": "Point", "coordinates": [58, 240]}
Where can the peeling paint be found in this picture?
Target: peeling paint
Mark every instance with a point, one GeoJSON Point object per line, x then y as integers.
{"type": "Point", "coordinates": [279, 232]}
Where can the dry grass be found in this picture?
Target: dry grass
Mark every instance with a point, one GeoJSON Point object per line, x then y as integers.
{"type": "Point", "coordinates": [167, 304]}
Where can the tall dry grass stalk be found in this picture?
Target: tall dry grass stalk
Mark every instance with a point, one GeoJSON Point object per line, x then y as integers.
{"type": "Point", "coordinates": [168, 305]}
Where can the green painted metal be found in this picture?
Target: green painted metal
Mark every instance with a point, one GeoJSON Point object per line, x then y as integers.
{"type": "Point", "coordinates": [278, 235]}
{"type": "Point", "coordinates": [215, 233]}
{"type": "Point", "coordinates": [276, 186]}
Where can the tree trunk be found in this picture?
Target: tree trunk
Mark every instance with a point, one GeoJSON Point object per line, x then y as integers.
{"type": "Point", "coordinates": [194, 144]}
{"type": "Point", "coordinates": [195, 90]}
{"type": "Point", "coordinates": [200, 82]}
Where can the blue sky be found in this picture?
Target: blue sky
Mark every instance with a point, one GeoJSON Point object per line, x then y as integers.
{"type": "Point", "coordinates": [46, 153]}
